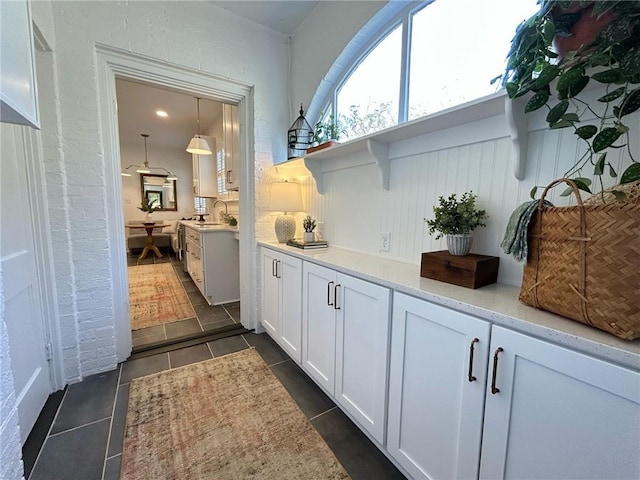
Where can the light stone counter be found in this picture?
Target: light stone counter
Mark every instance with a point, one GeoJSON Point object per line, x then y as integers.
{"type": "Point", "coordinates": [206, 227]}
{"type": "Point", "coordinates": [496, 303]}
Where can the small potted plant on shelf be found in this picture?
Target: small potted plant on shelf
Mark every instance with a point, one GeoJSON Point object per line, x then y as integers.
{"type": "Point", "coordinates": [148, 206]}
{"type": "Point", "coordinates": [456, 219]}
{"type": "Point", "coordinates": [605, 49]}
{"type": "Point", "coordinates": [309, 224]}
{"type": "Point", "coordinates": [326, 134]}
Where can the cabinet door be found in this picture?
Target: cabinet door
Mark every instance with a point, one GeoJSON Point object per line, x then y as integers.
{"type": "Point", "coordinates": [362, 346]}
{"type": "Point", "coordinates": [231, 134]}
{"type": "Point", "coordinates": [559, 414]}
{"type": "Point", "coordinates": [319, 324]}
{"type": "Point", "coordinates": [205, 175]}
{"type": "Point", "coordinates": [435, 407]}
{"type": "Point", "coordinates": [289, 269]}
{"type": "Point", "coordinates": [270, 309]}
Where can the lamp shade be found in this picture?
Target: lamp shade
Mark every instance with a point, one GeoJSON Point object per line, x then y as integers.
{"type": "Point", "coordinates": [199, 146]}
{"type": "Point", "coordinates": [285, 197]}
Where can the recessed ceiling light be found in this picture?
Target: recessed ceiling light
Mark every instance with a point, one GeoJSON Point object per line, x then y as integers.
{"type": "Point", "coordinates": [162, 113]}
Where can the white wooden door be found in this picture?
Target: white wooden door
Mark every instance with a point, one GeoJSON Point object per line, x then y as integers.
{"type": "Point", "coordinates": [270, 309]}
{"type": "Point", "coordinates": [22, 302]}
{"type": "Point", "coordinates": [319, 324]}
{"type": "Point", "coordinates": [290, 273]}
{"type": "Point", "coordinates": [436, 394]}
{"type": "Point", "coordinates": [558, 414]}
{"type": "Point", "coordinates": [362, 347]}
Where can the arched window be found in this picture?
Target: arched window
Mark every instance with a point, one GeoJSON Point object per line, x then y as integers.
{"type": "Point", "coordinates": [430, 57]}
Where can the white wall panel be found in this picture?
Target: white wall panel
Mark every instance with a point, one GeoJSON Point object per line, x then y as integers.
{"type": "Point", "coordinates": [356, 210]}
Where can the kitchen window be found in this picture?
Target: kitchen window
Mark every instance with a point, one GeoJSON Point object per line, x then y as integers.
{"type": "Point", "coordinates": [428, 58]}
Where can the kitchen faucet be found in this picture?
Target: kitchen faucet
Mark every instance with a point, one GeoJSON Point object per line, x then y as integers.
{"type": "Point", "coordinates": [226, 209]}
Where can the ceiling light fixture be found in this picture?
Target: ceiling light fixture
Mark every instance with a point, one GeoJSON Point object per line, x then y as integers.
{"type": "Point", "coordinates": [198, 145]}
{"type": "Point", "coordinates": [145, 168]}
{"type": "Point", "coordinates": [161, 113]}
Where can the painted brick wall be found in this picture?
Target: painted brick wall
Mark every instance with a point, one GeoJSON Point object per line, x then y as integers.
{"type": "Point", "coordinates": [193, 34]}
{"type": "Point", "coordinates": [10, 448]}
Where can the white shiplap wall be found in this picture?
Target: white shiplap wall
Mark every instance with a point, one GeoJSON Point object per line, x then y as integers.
{"type": "Point", "coordinates": [356, 210]}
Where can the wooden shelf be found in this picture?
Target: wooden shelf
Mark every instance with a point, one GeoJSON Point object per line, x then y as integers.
{"type": "Point", "coordinates": [374, 148]}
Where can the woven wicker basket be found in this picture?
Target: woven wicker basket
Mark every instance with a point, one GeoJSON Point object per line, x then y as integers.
{"type": "Point", "coordinates": [584, 264]}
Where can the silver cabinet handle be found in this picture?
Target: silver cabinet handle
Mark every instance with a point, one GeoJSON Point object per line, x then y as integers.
{"type": "Point", "coordinates": [277, 263]}
{"type": "Point", "coordinates": [273, 268]}
{"type": "Point", "coordinates": [329, 294]}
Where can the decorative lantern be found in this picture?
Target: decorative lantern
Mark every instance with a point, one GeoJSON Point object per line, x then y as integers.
{"type": "Point", "coordinates": [300, 137]}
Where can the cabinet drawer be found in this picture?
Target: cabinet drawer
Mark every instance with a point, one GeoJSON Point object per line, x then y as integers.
{"type": "Point", "coordinates": [193, 236]}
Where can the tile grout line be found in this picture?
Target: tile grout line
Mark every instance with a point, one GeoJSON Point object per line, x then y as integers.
{"type": "Point", "coordinates": [80, 426]}
{"type": "Point", "coordinates": [323, 413]}
{"type": "Point", "coordinates": [55, 417]}
{"type": "Point", "coordinates": [113, 414]}
{"type": "Point", "coordinates": [280, 362]}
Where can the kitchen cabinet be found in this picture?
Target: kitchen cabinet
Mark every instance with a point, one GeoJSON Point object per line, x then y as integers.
{"type": "Point", "coordinates": [18, 89]}
{"type": "Point", "coordinates": [556, 413]}
{"type": "Point", "coordinates": [345, 331]}
{"type": "Point", "coordinates": [281, 310]}
{"type": "Point", "coordinates": [205, 175]}
{"type": "Point", "coordinates": [437, 381]}
{"type": "Point", "coordinates": [231, 136]}
{"type": "Point", "coordinates": [213, 263]}
{"type": "Point", "coordinates": [533, 409]}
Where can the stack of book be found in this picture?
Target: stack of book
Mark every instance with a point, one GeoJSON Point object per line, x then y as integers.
{"type": "Point", "coordinates": [300, 243]}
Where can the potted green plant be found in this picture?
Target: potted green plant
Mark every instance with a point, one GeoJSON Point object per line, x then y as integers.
{"type": "Point", "coordinates": [326, 134]}
{"type": "Point", "coordinates": [309, 225]}
{"type": "Point", "coordinates": [148, 206]}
{"type": "Point", "coordinates": [456, 219]}
{"type": "Point", "coordinates": [554, 79]}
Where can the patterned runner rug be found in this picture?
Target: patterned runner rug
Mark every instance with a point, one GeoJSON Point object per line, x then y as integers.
{"type": "Point", "coordinates": [228, 418]}
{"type": "Point", "coordinates": [156, 296]}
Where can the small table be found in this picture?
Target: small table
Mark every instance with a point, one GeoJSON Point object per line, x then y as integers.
{"type": "Point", "coordinates": [149, 245]}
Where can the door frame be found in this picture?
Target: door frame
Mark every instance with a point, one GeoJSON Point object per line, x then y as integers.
{"type": "Point", "coordinates": [112, 63]}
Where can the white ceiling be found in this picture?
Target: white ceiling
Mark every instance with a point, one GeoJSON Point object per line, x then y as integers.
{"type": "Point", "coordinates": [282, 16]}
{"type": "Point", "coordinates": [138, 102]}
{"type": "Point", "coordinates": [137, 105]}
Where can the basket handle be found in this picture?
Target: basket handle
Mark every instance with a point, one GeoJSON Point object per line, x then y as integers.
{"type": "Point", "coordinates": [568, 181]}
{"type": "Point", "coordinates": [582, 287]}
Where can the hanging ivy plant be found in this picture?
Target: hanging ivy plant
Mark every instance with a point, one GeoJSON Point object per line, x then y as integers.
{"type": "Point", "coordinates": [611, 58]}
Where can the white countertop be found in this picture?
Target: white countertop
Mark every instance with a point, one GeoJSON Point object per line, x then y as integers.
{"type": "Point", "coordinates": [206, 227]}
{"type": "Point", "coordinates": [496, 303]}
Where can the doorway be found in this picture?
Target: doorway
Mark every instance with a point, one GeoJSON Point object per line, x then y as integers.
{"type": "Point", "coordinates": [114, 64]}
{"type": "Point", "coordinates": [166, 306]}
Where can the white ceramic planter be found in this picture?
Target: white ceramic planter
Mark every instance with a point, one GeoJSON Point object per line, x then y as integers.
{"type": "Point", "coordinates": [309, 236]}
{"type": "Point", "coordinates": [459, 245]}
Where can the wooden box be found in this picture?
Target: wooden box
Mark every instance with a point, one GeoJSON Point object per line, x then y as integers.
{"type": "Point", "coordinates": [471, 271]}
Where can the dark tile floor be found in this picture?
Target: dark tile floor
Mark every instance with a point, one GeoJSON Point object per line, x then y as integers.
{"type": "Point", "coordinates": [207, 317]}
{"type": "Point", "coordinates": [86, 434]}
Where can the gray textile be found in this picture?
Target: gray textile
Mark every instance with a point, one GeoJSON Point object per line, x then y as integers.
{"type": "Point", "coordinates": [515, 236]}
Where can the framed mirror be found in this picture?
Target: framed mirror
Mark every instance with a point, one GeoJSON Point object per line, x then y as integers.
{"type": "Point", "coordinates": [160, 191]}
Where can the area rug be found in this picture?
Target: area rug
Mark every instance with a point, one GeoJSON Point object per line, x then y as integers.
{"type": "Point", "coordinates": [156, 296]}
{"type": "Point", "coordinates": [228, 418]}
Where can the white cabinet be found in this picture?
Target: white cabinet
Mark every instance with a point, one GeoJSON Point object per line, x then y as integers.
{"type": "Point", "coordinates": [557, 413]}
{"type": "Point", "coordinates": [281, 311]}
{"type": "Point", "coordinates": [18, 90]}
{"type": "Point", "coordinates": [213, 264]}
{"type": "Point", "coordinates": [231, 136]}
{"type": "Point", "coordinates": [436, 389]}
{"type": "Point", "coordinates": [546, 413]}
{"type": "Point", "coordinates": [205, 175]}
{"type": "Point", "coordinates": [345, 331]}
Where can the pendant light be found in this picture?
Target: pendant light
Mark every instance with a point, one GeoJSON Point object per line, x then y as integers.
{"type": "Point", "coordinates": [145, 167]}
{"type": "Point", "coordinates": [198, 145]}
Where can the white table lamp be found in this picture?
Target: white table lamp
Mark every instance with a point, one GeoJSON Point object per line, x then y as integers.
{"type": "Point", "coordinates": [285, 197]}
